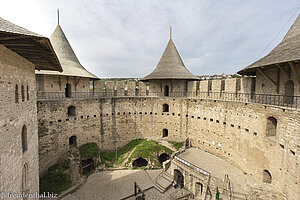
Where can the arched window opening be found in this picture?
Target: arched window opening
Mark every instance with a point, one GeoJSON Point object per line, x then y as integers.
{"type": "Point", "coordinates": [71, 111]}
{"type": "Point", "coordinates": [24, 177]}
{"type": "Point", "coordinates": [68, 90]}
{"type": "Point", "coordinates": [163, 157]}
{"type": "Point", "coordinates": [27, 92]}
{"type": "Point", "coordinates": [198, 189]}
{"type": "Point", "coordinates": [165, 132]}
{"type": "Point", "coordinates": [17, 94]}
{"type": "Point", "coordinates": [267, 178]}
{"type": "Point", "coordinates": [289, 92]}
{"type": "Point", "coordinates": [178, 179]}
{"type": "Point", "coordinates": [165, 108]}
{"type": "Point", "coordinates": [271, 126]}
{"type": "Point", "coordinates": [166, 91]}
{"type": "Point", "coordinates": [140, 162]}
{"type": "Point", "coordinates": [24, 138]}
{"type": "Point", "coordinates": [73, 141]}
{"type": "Point", "coordinates": [23, 93]}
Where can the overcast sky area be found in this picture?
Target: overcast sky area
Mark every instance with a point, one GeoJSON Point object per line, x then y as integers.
{"type": "Point", "coordinates": [126, 38]}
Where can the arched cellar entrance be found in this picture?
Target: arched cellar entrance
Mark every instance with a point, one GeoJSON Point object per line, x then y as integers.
{"type": "Point", "coordinates": [87, 165]}
{"type": "Point", "coordinates": [140, 162]}
{"type": "Point", "coordinates": [163, 157]}
{"type": "Point", "coordinates": [289, 92]}
{"type": "Point", "coordinates": [73, 141]}
{"type": "Point", "coordinates": [178, 178]}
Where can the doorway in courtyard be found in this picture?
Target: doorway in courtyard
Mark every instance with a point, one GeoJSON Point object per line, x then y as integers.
{"type": "Point", "coordinates": [178, 177]}
{"type": "Point", "coordinates": [198, 189]}
{"type": "Point", "coordinates": [163, 157]}
{"type": "Point", "coordinates": [140, 162]}
{"type": "Point", "coordinates": [87, 165]}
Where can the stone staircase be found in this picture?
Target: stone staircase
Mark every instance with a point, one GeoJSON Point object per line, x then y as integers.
{"type": "Point", "coordinates": [163, 182]}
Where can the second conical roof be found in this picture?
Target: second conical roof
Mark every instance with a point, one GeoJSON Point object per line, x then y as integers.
{"type": "Point", "coordinates": [69, 61]}
{"type": "Point", "coordinates": [170, 66]}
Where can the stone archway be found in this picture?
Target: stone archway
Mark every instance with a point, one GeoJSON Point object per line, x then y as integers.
{"type": "Point", "coordinates": [198, 189]}
{"type": "Point", "coordinates": [163, 157]}
{"type": "Point", "coordinates": [68, 90]}
{"type": "Point", "coordinates": [178, 178]}
{"type": "Point", "coordinates": [73, 141]}
{"type": "Point", "coordinates": [140, 162]}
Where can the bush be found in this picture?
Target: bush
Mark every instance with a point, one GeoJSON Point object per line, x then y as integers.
{"type": "Point", "coordinates": [176, 145]}
{"type": "Point", "coordinates": [55, 180]}
{"type": "Point", "coordinates": [89, 150]}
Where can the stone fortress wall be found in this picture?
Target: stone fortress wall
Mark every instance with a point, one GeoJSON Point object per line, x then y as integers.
{"type": "Point", "coordinates": [19, 169]}
{"type": "Point", "coordinates": [235, 131]}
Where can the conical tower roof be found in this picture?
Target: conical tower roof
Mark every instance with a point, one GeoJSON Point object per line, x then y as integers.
{"type": "Point", "coordinates": [170, 66]}
{"type": "Point", "coordinates": [287, 50]}
{"type": "Point", "coordinates": [69, 61]}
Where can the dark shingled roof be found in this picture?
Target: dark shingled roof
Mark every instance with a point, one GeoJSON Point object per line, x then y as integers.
{"type": "Point", "coordinates": [69, 61]}
{"type": "Point", "coordinates": [34, 47]}
{"type": "Point", "coordinates": [287, 50]}
{"type": "Point", "coordinates": [170, 66]}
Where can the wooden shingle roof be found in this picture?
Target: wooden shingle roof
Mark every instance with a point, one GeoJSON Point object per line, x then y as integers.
{"type": "Point", "coordinates": [170, 66]}
{"type": "Point", "coordinates": [34, 47]}
{"type": "Point", "coordinates": [68, 59]}
{"type": "Point", "coordinates": [287, 50]}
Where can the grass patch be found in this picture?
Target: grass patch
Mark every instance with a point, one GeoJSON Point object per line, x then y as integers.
{"type": "Point", "coordinates": [176, 145]}
{"type": "Point", "coordinates": [110, 158]}
{"type": "Point", "coordinates": [55, 180]}
{"type": "Point", "coordinates": [89, 150]}
{"type": "Point", "coordinates": [149, 150]}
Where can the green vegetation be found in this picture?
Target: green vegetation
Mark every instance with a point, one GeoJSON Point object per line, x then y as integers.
{"type": "Point", "coordinates": [89, 150]}
{"type": "Point", "coordinates": [55, 180]}
{"type": "Point", "coordinates": [176, 145]}
{"type": "Point", "coordinates": [149, 150]}
{"type": "Point", "coordinates": [110, 158]}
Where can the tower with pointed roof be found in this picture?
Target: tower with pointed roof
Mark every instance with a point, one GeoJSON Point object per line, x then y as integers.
{"type": "Point", "coordinates": [73, 78]}
{"type": "Point", "coordinates": [170, 77]}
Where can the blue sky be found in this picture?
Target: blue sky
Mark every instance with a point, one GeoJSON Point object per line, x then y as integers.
{"type": "Point", "coordinates": [126, 38]}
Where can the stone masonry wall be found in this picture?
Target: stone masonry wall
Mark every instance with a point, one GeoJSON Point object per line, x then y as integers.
{"type": "Point", "coordinates": [15, 70]}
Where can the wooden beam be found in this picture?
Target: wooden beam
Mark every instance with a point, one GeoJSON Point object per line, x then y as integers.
{"type": "Point", "coordinates": [59, 83]}
{"type": "Point", "coordinates": [268, 77]}
{"type": "Point", "coordinates": [12, 38]}
{"type": "Point", "coordinates": [76, 82]}
{"type": "Point", "coordinates": [284, 71]}
{"type": "Point", "coordinates": [292, 66]}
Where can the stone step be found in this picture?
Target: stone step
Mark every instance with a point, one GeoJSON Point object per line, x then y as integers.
{"type": "Point", "coordinates": [163, 182]}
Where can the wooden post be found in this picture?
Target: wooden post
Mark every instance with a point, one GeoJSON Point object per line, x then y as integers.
{"type": "Point", "coordinates": [295, 73]}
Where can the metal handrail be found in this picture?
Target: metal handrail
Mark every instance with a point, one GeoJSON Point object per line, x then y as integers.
{"type": "Point", "coordinates": [268, 99]}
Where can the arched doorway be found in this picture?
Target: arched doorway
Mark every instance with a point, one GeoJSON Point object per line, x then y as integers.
{"type": "Point", "coordinates": [178, 177]}
{"type": "Point", "coordinates": [271, 126]}
{"type": "Point", "coordinates": [166, 91]}
{"type": "Point", "coordinates": [198, 189]}
{"type": "Point", "coordinates": [68, 90]}
{"type": "Point", "coordinates": [140, 162]}
{"type": "Point", "coordinates": [165, 132]}
{"type": "Point", "coordinates": [163, 157]}
{"type": "Point", "coordinates": [71, 111]}
{"type": "Point", "coordinates": [72, 141]}
{"type": "Point", "coordinates": [289, 92]}
{"type": "Point", "coordinates": [165, 108]}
